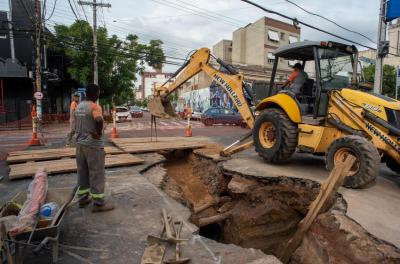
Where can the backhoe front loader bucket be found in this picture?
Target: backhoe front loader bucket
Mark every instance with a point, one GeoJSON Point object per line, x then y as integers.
{"type": "Point", "coordinates": [161, 108]}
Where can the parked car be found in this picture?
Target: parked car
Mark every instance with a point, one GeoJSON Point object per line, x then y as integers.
{"type": "Point", "coordinates": [122, 113]}
{"type": "Point", "coordinates": [195, 115]}
{"type": "Point", "coordinates": [135, 112]}
{"type": "Point", "coordinates": [215, 115]}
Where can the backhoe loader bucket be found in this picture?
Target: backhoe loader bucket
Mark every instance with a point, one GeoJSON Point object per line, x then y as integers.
{"type": "Point", "coordinates": [161, 108]}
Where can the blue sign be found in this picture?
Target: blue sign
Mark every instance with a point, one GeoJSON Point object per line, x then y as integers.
{"type": "Point", "coordinates": [392, 10]}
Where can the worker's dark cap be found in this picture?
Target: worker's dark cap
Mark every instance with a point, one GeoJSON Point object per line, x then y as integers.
{"type": "Point", "coordinates": [76, 94]}
{"type": "Point", "coordinates": [297, 66]}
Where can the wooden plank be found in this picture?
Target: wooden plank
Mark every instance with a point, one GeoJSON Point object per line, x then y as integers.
{"type": "Point", "coordinates": [159, 146]}
{"type": "Point", "coordinates": [328, 188]}
{"type": "Point", "coordinates": [49, 154]}
{"type": "Point", "coordinates": [159, 139]}
{"type": "Point", "coordinates": [28, 169]}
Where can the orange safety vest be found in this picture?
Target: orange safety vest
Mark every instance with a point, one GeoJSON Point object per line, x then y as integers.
{"type": "Point", "coordinates": [33, 111]}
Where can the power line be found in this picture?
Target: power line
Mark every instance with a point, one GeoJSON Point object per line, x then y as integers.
{"type": "Point", "coordinates": [72, 9]}
{"type": "Point", "coordinates": [329, 20]}
{"type": "Point", "coordinates": [296, 21]}
{"type": "Point", "coordinates": [102, 13]}
{"type": "Point", "coordinates": [52, 12]}
{"type": "Point", "coordinates": [123, 30]}
{"type": "Point", "coordinates": [84, 12]}
{"type": "Point", "coordinates": [77, 9]}
{"type": "Point", "coordinates": [208, 11]}
{"type": "Point", "coordinates": [195, 12]}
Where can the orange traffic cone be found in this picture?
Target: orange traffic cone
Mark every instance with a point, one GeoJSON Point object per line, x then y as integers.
{"type": "Point", "coordinates": [34, 141]}
{"type": "Point", "coordinates": [114, 133]}
{"type": "Point", "coordinates": [188, 131]}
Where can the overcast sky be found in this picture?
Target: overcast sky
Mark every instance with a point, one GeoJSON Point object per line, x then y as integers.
{"type": "Point", "coordinates": [184, 25]}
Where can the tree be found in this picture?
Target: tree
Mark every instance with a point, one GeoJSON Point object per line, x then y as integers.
{"type": "Point", "coordinates": [118, 60]}
{"type": "Point", "coordinates": [388, 81]}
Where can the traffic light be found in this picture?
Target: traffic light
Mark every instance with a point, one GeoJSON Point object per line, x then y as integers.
{"type": "Point", "coordinates": [383, 48]}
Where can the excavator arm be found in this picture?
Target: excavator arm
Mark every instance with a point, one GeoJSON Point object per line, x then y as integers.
{"type": "Point", "coordinates": [231, 82]}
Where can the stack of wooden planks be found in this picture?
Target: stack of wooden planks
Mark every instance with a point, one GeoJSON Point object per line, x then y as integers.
{"type": "Point", "coordinates": [60, 161]}
{"type": "Point", "coordinates": [25, 163]}
{"type": "Point", "coordinates": [143, 145]}
{"type": "Point", "coordinates": [49, 154]}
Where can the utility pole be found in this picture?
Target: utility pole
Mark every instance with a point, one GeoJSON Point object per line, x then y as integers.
{"type": "Point", "coordinates": [38, 77]}
{"type": "Point", "coordinates": [379, 57]}
{"type": "Point", "coordinates": [94, 4]}
{"type": "Point", "coordinates": [37, 117]}
{"type": "Point", "coordinates": [11, 33]}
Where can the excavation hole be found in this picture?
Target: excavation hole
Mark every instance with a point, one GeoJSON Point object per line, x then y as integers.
{"type": "Point", "coordinates": [211, 231]}
{"type": "Point", "coordinates": [264, 213]}
{"type": "Point", "coordinates": [255, 214]}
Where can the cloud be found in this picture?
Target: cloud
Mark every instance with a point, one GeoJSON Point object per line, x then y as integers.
{"type": "Point", "coordinates": [182, 26]}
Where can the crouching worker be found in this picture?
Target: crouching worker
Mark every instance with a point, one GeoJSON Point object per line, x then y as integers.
{"type": "Point", "coordinates": [90, 152]}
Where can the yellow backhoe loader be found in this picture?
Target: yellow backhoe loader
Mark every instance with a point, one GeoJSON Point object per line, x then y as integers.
{"type": "Point", "coordinates": [331, 114]}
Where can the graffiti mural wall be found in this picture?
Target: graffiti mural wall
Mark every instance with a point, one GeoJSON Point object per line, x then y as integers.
{"type": "Point", "coordinates": [202, 99]}
{"type": "Point", "coordinates": [219, 98]}
{"type": "Point", "coordinates": [199, 100]}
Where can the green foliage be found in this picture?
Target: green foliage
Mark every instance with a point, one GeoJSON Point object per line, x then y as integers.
{"type": "Point", "coordinates": [388, 81]}
{"type": "Point", "coordinates": [118, 60]}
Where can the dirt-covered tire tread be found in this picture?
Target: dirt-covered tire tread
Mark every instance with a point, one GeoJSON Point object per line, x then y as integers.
{"type": "Point", "coordinates": [287, 141]}
{"type": "Point", "coordinates": [367, 154]}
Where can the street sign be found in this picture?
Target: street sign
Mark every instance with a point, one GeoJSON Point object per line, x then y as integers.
{"type": "Point", "coordinates": [38, 95]}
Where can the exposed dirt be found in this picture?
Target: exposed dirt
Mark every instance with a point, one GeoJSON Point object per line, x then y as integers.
{"type": "Point", "coordinates": [264, 213]}
{"type": "Point", "coordinates": [182, 171]}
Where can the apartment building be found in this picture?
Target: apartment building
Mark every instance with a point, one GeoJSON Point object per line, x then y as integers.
{"type": "Point", "coordinates": [251, 52]}
{"type": "Point", "coordinates": [251, 48]}
{"type": "Point", "coordinates": [255, 43]}
{"type": "Point", "coordinates": [151, 79]}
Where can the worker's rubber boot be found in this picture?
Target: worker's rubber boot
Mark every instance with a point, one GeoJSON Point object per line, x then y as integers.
{"type": "Point", "coordinates": [84, 201]}
{"type": "Point", "coordinates": [106, 206]}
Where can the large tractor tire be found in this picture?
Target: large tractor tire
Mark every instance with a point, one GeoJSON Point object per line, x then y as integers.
{"type": "Point", "coordinates": [366, 167]}
{"type": "Point", "coordinates": [275, 135]}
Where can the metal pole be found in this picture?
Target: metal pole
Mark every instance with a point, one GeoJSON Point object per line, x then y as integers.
{"type": "Point", "coordinates": [94, 5]}
{"type": "Point", "coordinates": [38, 79]}
{"type": "Point", "coordinates": [10, 27]}
{"type": "Point", "coordinates": [95, 70]}
{"type": "Point", "coordinates": [379, 59]}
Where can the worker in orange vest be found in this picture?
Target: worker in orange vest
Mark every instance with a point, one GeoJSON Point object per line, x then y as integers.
{"type": "Point", "coordinates": [72, 108]}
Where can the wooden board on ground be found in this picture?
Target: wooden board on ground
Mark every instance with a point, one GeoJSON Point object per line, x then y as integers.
{"type": "Point", "coordinates": [49, 154]}
{"type": "Point", "coordinates": [159, 139]}
{"type": "Point", "coordinates": [28, 169]}
{"type": "Point", "coordinates": [159, 146]}
{"type": "Point", "coordinates": [328, 188]}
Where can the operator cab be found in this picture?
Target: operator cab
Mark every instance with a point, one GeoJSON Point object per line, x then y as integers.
{"type": "Point", "coordinates": [329, 66]}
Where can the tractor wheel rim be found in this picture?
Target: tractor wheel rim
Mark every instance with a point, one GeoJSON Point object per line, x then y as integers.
{"type": "Point", "coordinates": [267, 134]}
{"type": "Point", "coordinates": [341, 154]}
